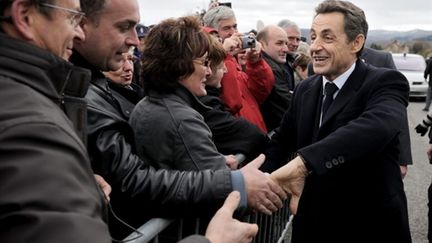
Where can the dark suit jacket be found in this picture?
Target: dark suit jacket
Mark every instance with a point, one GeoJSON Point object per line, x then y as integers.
{"type": "Point", "coordinates": [377, 58]}
{"type": "Point", "coordinates": [385, 59]}
{"type": "Point", "coordinates": [355, 192]}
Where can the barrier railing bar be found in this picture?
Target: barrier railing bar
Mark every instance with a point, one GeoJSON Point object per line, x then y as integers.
{"type": "Point", "coordinates": [149, 230]}
{"type": "Point", "coordinates": [270, 226]}
{"type": "Point", "coordinates": [285, 231]}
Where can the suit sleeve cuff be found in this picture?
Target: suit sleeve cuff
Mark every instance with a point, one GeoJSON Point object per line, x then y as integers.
{"type": "Point", "coordinates": [307, 165]}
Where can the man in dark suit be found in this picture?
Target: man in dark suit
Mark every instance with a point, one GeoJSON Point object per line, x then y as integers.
{"type": "Point", "coordinates": [377, 58]}
{"type": "Point", "coordinates": [385, 59]}
{"type": "Point", "coordinates": [345, 182]}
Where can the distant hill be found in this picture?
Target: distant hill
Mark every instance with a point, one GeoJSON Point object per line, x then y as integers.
{"type": "Point", "coordinates": [386, 36]}
{"type": "Point", "coordinates": [380, 36]}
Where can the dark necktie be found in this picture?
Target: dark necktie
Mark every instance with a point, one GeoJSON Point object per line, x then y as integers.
{"type": "Point", "coordinates": [330, 89]}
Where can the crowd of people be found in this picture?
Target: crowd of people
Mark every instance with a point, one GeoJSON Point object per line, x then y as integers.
{"type": "Point", "coordinates": [102, 115]}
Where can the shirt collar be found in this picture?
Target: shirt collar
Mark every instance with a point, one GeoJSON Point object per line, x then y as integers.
{"type": "Point", "coordinates": [341, 80]}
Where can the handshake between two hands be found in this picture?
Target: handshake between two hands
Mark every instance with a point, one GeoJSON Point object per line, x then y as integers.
{"type": "Point", "coordinates": [291, 177]}
{"type": "Point", "coordinates": [266, 193]}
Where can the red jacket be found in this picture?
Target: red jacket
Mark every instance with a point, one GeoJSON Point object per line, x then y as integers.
{"type": "Point", "coordinates": [243, 92]}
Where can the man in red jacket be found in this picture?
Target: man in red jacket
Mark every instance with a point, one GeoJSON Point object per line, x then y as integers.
{"type": "Point", "coordinates": [241, 91]}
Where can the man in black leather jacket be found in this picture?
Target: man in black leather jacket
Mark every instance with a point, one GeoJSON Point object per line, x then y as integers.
{"type": "Point", "coordinates": [140, 191]}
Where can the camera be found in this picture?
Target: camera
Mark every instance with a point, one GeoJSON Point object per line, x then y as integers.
{"type": "Point", "coordinates": [248, 42]}
{"type": "Point", "coordinates": [228, 4]}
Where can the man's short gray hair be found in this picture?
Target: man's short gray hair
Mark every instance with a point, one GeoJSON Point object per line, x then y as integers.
{"type": "Point", "coordinates": [286, 23]}
{"type": "Point", "coordinates": [216, 14]}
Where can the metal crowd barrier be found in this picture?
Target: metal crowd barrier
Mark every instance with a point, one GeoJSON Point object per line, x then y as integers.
{"type": "Point", "coordinates": [149, 231]}
{"type": "Point", "coordinates": [272, 229]}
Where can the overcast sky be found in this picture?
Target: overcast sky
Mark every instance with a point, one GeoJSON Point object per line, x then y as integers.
{"type": "Point", "coordinates": [380, 14]}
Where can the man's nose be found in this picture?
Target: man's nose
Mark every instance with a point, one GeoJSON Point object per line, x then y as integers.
{"type": "Point", "coordinates": [209, 72]}
{"type": "Point", "coordinates": [79, 33]}
{"type": "Point", "coordinates": [132, 39]}
{"type": "Point", "coordinates": [128, 66]}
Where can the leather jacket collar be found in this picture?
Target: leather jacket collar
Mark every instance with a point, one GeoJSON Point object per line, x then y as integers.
{"type": "Point", "coordinates": [80, 61]}
{"type": "Point", "coordinates": [41, 70]}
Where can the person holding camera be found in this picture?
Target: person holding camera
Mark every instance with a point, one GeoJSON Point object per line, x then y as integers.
{"type": "Point", "coordinates": [242, 91]}
{"type": "Point", "coordinates": [231, 135]}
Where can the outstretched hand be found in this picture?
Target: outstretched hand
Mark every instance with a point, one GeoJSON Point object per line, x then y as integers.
{"type": "Point", "coordinates": [223, 228]}
{"type": "Point", "coordinates": [264, 195]}
{"type": "Point", "coordinates": [291, 177]}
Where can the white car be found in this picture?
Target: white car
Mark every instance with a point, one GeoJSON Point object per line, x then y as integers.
{"type": "Point", "coordinates": [412, 66]}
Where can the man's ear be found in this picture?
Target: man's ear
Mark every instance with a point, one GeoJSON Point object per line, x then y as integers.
{"type": "Point", "coordinates": [23, 16]}
{"type": "Point", "coordinates": [358, 43]}
{"type": "Point", "coordinates": [263, 44]}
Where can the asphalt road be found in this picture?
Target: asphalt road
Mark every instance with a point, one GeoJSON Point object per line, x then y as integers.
{"type": "Point", "coordinates": [418, 177]}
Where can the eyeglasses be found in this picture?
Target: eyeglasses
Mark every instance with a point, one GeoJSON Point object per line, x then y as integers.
{"type": "Point", "coordinates": [131, 59]}
{"type": "Point", "coordinates": [134, 59]}
{"type": "Point", "coordinates": [75, 17]}
{"type": "Point", "coordinates": [205, 63]}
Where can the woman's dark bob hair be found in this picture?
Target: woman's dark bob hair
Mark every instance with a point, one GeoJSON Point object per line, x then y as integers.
{"type": "Point", "coordinates": [170, 48]}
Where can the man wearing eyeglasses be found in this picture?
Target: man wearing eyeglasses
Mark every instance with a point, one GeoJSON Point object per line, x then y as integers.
{"type": "Point", "coordinates": [47, 189]}
{"type": "Point", "coordinates": [241, 91]}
